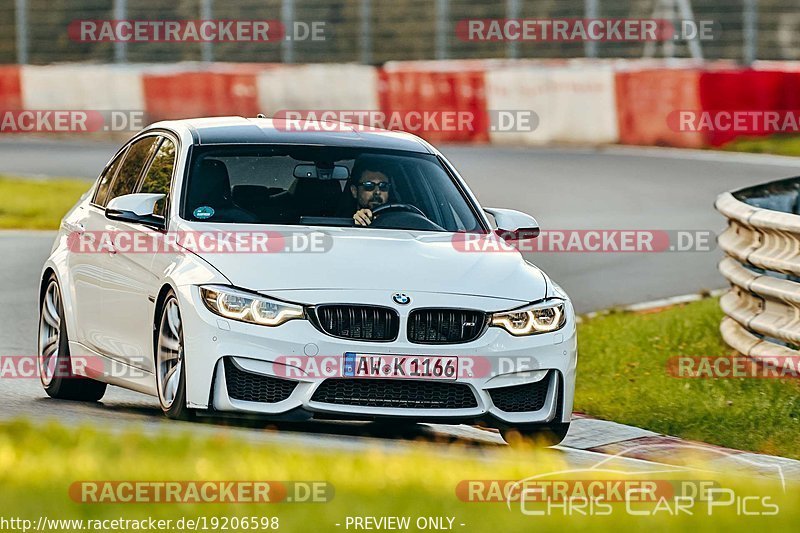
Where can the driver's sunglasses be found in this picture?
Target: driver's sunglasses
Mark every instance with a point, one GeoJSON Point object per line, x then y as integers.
{"type": "Point", "coordinates": [369, 186]}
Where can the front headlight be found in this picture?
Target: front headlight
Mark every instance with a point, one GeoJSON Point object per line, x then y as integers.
{"type": "Point", "coordinates": [247, 307]}
{"type": "Point", "coordinates": [543, 317]}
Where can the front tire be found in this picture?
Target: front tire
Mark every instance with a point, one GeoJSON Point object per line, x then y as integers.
{"type": "Point", "coordinates": [171, 361]}
{"type": "Point", "coordinates": [540, 436]}
{"type": "Point", "coordinates": [55, 365]}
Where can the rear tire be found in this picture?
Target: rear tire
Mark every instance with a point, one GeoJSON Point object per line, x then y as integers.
{"type": "Point", "coordinates": [55, 365]}
{"type": "Point", "coordinates": [171, 361]}
{"type": "Point", "coordinates": [538, 435]}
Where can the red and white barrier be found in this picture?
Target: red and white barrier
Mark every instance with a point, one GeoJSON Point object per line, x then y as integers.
{"type": "Point", "coordinates": [10, 88]}
{"type": "Point", "coordinates": [317, 87]}
{"type": "Point", "coordinates": [645, 100]}
{"type": "Point", "coordinates": [82, 87]}
{"type": "Point", "coordinates": [197, 91]}
{"type": "Point", "coordinates": [746, 90]}
{"type": "Point", "coordinates": [783, 66]}
{"type": "Point", "coordinates": [451, 103]}
{"type": "Point", "coordinates": [576, 101]}
{"type": "Point", "coordinates": [573, 105]}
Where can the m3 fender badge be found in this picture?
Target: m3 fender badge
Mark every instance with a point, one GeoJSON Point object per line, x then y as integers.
{"type": "Point", "coordinates": [401, 298]}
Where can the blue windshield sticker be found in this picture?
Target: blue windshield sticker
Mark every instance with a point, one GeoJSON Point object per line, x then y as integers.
{"type": "Point", "coordinates": [204, 212]}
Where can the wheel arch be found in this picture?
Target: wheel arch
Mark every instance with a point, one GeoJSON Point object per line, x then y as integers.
{"type": "Point", "coordinates": [51, 270]}
{"type": "Point", "coordinates": [48, 272]}
{"type": "Point", "coordinates": [162, 296]}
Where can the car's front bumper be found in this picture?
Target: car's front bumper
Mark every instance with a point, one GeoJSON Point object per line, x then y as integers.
{"type": "Point", "coordinates": [545, 363]}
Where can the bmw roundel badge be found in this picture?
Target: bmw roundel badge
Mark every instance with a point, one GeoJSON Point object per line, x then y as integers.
{"type": "Point", "coordinates": [401, 298]}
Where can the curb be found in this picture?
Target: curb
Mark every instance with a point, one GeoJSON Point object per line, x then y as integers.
{"type": "Point", "coordinates": [630, 442]}
{"type": "Point", "coordinates": [653, 305]}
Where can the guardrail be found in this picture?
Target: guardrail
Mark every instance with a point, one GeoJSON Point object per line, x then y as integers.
{"type": "Point", "coordinates": [762, 263]}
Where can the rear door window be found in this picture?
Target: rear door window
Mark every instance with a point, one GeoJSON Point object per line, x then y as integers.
{"type": "Point", "coordinates": [104, 183]}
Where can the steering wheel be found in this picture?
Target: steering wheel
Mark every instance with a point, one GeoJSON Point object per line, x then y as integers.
{"type": "Point", "coordinates": [405, 216]}
{"type": "Point", "coordinates": [397, 207]}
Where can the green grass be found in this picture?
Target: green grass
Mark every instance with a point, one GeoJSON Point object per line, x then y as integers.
{"type": "Point", "coordinates": [622, 377]}
{"type": "Point", "coordinates": [780, 144]}
{"type": "Point", "coordinates": [39, 463]}
{"type": "Point", "coordinates": [35, 204]}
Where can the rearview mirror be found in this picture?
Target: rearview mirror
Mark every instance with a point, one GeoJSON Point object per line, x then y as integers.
{"type": "Point", "coordinates": [514, 225]}
{"type": "Point", "coordinates": [137, 208]}
{"type": "Point", "coordinates": [321, 172]}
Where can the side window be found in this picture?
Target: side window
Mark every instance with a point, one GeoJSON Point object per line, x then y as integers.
{"type": "Point", "coordinates": [159, 175]}
{"type": "Point", "coordinates": [106, 178]}
{"type": "Point", "coordinates": [128, 175]}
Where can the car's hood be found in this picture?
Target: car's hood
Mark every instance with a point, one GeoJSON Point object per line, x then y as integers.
{"type": "Point", "coordinates": [377, 259]}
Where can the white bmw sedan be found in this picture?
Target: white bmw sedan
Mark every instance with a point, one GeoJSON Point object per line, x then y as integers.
{"type": "Point", "coordinates": [242, 266]}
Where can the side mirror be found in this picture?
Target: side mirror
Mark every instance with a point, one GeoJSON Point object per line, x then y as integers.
{"type": "Point", "coordinates": [137, 208]}
{"type": "Point", "coordinates": [514, 225]}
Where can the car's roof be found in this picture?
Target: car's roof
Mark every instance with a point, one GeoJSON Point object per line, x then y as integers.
{"type": "Point", "coordinates": [241, 130]}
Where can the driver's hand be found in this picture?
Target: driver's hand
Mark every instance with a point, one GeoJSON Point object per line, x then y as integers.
{"type": "Point", "coordinates": [363, 217]}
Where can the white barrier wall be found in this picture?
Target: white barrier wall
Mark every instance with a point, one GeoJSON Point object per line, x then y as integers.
{"type": "Point", "coordinates": [763, 305]}
{"type": "Point", "coordinates": [84, 87]}
{"type": "Point", "coordinates": [318, 87]}
{"type": "Point", "coordinates": [574, 105]}
{"type": "Point", "coordinates": [575, 102]}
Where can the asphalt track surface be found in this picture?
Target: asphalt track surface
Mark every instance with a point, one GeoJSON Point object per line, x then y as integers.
{"type": "Point", "coordinates": [564, 188]}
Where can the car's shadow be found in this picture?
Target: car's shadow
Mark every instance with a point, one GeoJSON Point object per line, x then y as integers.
{"type": "Point", "coordinates": [384, 429]}
{"type": "Point", "coordinates": [397, 430]}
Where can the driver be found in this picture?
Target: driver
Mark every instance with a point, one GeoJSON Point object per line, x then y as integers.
{"type": "Point", "coordinates": [370, 188]}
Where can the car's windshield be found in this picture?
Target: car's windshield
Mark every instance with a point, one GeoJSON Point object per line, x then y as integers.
{"type": "Point", "coordinates": [299, 185]}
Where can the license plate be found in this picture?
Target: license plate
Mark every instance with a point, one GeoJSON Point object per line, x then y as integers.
{"type": "Point", "coordinates": [365, 365]}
